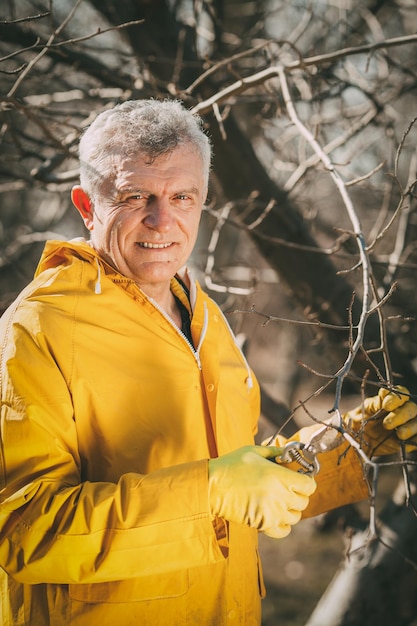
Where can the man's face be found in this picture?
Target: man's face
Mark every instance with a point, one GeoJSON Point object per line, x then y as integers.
{"type": "Point", "coordinates": [145, 220]}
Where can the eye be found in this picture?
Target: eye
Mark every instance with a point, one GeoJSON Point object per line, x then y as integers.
{"type": "Point", "coordinates": [136, 196]}
{"type": "Point", "coordinates": [134, 199]}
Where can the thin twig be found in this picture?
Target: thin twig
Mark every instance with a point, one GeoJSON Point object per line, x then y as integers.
{"type": "Point", "coordinates": [273, 318]}
{"type": "Point", "coordinates": [28, 18]}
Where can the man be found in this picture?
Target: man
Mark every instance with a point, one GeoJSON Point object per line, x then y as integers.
{"type": "Point", "coordinates": [131, 490]}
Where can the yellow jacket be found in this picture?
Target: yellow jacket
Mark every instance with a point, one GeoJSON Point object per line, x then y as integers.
{"type": "Point", "coordinates": [108, 417]}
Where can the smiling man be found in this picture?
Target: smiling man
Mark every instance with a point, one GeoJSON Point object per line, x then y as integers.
{"type": "Point", "coordinates": [144, 218]}
{"type": "Point", "coordinates": [131, 492]}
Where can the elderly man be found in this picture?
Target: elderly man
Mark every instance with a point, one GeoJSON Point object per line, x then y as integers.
{"type": "Point", "coordinates": [131, 491]}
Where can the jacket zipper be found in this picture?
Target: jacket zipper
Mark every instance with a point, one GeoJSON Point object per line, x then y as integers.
{"type": "Point", "coordinates": [195, 351]}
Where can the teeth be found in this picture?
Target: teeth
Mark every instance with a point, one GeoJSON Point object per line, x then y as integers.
{"type": "Point", "coordinates": [146, 244]}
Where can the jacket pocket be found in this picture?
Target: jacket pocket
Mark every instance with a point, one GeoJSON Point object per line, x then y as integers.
{"type": "Point", "coordinates": [133, 590]}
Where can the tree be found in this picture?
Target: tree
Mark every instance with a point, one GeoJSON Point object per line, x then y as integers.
{"type": "Point", "coordinates": [314, 168]}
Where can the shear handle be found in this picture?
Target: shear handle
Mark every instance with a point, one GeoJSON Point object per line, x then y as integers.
{"type": "Point", "coordinates": [294, 451]}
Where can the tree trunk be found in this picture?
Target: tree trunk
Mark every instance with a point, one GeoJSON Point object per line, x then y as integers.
{"type": "Point", "coordinates": [376, 585]}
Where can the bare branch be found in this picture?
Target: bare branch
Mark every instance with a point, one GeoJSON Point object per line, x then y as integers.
{"type": "Point", "coordinates": [44, 50]}
{"type": "Point", "coordinates": [271, 72]}
{"type": "Point", "coordinates": [366, 270]}
{"type": "Point", "coordinates": [28, 18]}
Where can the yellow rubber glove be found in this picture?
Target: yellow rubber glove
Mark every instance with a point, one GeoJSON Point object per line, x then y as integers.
{"type": "Point", "coordinates": [376, 435]}
{"type": "Point", "coordinates": [247, 488]}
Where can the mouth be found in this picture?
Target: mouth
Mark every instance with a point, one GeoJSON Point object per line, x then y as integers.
{"type": "Point", "coordinates": [154, 246]}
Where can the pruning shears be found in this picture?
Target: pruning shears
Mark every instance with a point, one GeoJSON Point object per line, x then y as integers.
{"type": "Point", "coordinates": [326, 438]}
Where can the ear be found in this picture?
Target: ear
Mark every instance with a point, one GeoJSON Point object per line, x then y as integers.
{"type": "Point", "coordinates": [82, 203]}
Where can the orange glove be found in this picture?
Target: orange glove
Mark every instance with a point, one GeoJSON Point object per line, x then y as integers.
{"type": "Point", "coordinates": [247, 487]}
{"type": "Point", "coordinates": [383, 435]}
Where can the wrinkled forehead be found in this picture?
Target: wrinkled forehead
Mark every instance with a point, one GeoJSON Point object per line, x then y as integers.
{"type": "Point", "coordinates": [181, 168]}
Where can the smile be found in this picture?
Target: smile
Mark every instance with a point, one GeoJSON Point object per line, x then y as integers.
{"type": "Point", "coordinates": [146, 244]}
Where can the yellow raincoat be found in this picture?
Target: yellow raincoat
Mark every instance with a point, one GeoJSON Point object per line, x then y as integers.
{"type": "Point", "coordinates": [108, 417]}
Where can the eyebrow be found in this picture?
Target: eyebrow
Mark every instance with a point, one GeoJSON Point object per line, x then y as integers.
{"type": "Point", "coordinates": [120, 193]}
{"type": "Point", "coordinates": [191, 190]}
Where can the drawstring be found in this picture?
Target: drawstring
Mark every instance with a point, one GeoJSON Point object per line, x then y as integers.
{"type": "Point", "coordinates": [249, 380]}
{"type": "Point", "coordinates": [97, 288]}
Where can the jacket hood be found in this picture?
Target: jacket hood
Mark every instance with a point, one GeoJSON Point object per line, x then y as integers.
{"type": "Point", "coordinates": [62, 253]}
{"type": "Point", "coordinates": [56, 253]}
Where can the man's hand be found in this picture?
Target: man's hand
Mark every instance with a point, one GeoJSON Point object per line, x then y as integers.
{"type": "Point", "coordinates": [383, 435]}
{"type": "Point", "coordinates": [247, 487]}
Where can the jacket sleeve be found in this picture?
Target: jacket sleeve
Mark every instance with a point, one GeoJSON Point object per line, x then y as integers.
{"type": "Point", "coordinates": [56, 528]}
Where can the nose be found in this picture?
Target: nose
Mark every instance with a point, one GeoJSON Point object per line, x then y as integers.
{"type": "Point", "coordinates": [159, 216]}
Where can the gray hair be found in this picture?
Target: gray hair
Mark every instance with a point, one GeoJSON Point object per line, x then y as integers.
{"type": "Point", "coordinates": [147, 127]}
